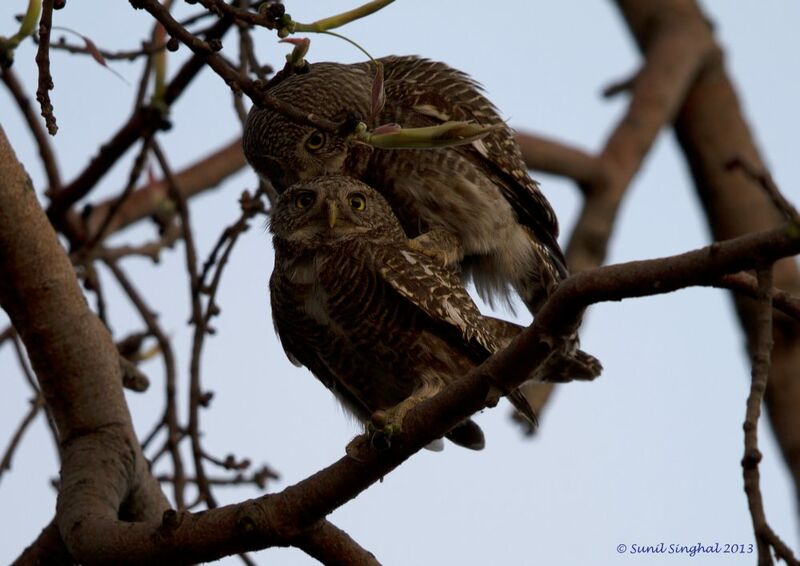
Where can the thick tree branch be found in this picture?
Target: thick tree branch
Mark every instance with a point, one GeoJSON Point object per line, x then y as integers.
{"type": "Point", "coordinates": [48, 548]}
{"type": "Point", "coordinates": [557, 158]}
{"type": "Point", "coordinates": [76, 363]}
{"type": "Point", "coordinates": [675, 54]}
{"type": "Point", "coordinates": [712, 132]}
{"type": "Point", "coordinates": [333, 547]}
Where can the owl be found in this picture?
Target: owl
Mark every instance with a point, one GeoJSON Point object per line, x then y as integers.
{"type": "Point", "coordinates": [382, 325]}
{"type": "Point", "coordinates": [474, 205]}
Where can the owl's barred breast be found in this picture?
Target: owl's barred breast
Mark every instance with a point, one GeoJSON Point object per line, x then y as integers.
{"type": "Point", "coordinates": [380, 349]}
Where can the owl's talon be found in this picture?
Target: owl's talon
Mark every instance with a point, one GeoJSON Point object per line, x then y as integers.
{"type": "Point", "coordinates": [439, 245]}
{"type": "Point", "coordinates": [380, 430]}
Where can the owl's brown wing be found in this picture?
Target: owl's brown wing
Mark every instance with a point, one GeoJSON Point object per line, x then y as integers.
{"type": "Point", "coordinates": [420, 92]}
{"type": "Point", "coordinates": [438, 292]}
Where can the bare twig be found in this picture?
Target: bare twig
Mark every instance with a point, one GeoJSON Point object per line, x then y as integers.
{"type": "Point", "coordinates": [766, 539]}
{"type": "Point", "coordinates": [747, 284]}
{"type": "Point", "coordinates": [146, 49]}
{"type": "Point", "coordinates": [35, 404]}
{"type": "Point", "coordinates": [229, 74]}
{"type": "Point", "coordinates": [195, 390]}
{"type": "Point", "coordinates": [49, 161]}
{"type": "Point", "coordinates": [144, 119]}
{"type": "Point", "coordinates": [133, 179]}
{"type": "Point", "coordinates": [149, 200]}
{"type": "Point", "coordinates": [170, 418]}
{"type": "Point", "coordinates": [151, 250]}
{"type": "Point", "coordinates": [43, 61]}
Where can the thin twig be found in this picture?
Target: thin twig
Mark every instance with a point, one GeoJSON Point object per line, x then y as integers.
{"type": "Point", "coordinates": [22, 360]}
{"type": "Point", "coordinates": [195, 390]}
{"type": "Point", "coordinates": [144, 119]}
{"type": "Point", "coordinates": [43, 62]}
{"type": "Point", "coordinates": [229, 74]}
{"type": "Point", "coordinates": [144, 81]}
{"type": "Point", "coordinates": [146, 49]}
{"type": "Point", "coordinates": [133, 179]}
{"type": "Point", "coordinates": [170, 412]}
{"type": "Point", "coordinates": [151, 200]}
{"type": "Point", "coordinates": [761, 351]}
{"type": "Point", "coordinates": [151, 250]}
{"type": "Point", "coordinates": [49, 161]}
{"type": "Point", "coordinates": [745, 283]}
{"type": "Point", "coordinates": [36, 404]}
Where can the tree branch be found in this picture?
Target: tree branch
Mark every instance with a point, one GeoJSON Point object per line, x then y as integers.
{"type": "Point", "coordinates": [48, 548]}
{"type": "Point", "coordinates": [42, 142]}
{"type": "Point", "coordinates": [144, 119]}
{"type": "Point", "coordinates": [675, 54]}
{"type": "Point", "coordinates": [43, 61]}
{"type": "Point", "coordinates": [205, 174]}
{"type": "Point", "coordinates": [557, 158]}
{"type": "Point", "coordinates": [712, 132]}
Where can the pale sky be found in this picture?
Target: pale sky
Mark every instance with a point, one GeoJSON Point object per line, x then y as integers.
{"type": "Point", "coordinates": [648, 453]}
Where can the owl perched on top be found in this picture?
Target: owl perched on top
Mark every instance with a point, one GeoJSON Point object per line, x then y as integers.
{"type": "Point", "coordinates": [380, 324]}
{"type": "Point", "coordinates": [475, 204]}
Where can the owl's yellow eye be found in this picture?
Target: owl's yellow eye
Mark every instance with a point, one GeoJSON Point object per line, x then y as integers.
{"type": "Point", "coordinates": [304, 199]}
{"type": "Point", "coordinates": [358, 201]}
{"type": "Point", "coordinates": [315, 140]}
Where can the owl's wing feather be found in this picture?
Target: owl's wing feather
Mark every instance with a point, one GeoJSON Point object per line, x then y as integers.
{"type": "Point", "coordinates": [438, 292]}
{"type": "Point", "coordinates": [430, 92]}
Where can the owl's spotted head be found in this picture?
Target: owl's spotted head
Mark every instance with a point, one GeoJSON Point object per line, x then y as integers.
{"type": "Point", "coordinates": [286, 152]}
{"type": "Point", "coordinates": [332, 209]}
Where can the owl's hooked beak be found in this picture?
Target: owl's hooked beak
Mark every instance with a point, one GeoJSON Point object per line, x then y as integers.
{"type": "Point", "coordinates": [333, 212]}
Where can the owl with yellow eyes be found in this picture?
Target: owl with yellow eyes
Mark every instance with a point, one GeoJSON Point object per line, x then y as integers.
{"type": "Point", "coordinates": [379, 323]}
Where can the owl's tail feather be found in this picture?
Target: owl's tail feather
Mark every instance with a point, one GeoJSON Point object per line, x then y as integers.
{"type": "Point", "coordinates": [468, 434]}
{"type": "Point", "coordinates": [561, 367]}
{"type": "Point", "coordinates": [523, 406]}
